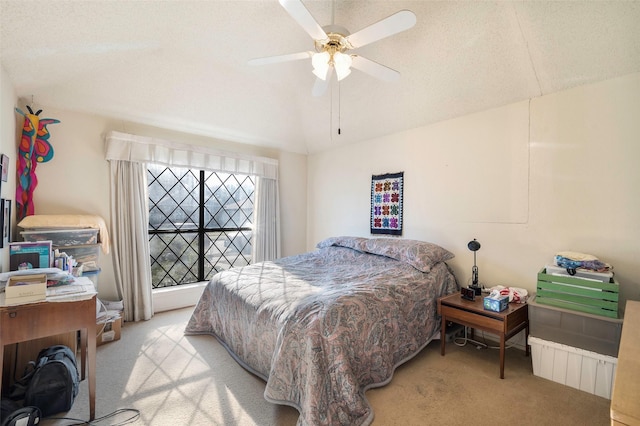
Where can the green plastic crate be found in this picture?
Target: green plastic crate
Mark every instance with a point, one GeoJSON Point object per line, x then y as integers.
{"type": "Point", "coordinates": [578, 294]}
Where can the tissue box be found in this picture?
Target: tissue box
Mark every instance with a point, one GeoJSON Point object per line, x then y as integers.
{"type": "Point", "coordinates": [496, 304]}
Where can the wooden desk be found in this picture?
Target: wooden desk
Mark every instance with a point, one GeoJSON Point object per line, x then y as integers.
{"type": "Point", "coordinates": [625, 409]}
{"type": "Point", "coordinates": [35, 320]}
{"type": "Point", "coordinates": [472, 314]}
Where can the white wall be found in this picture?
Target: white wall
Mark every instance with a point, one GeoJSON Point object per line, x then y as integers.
{"type": "Point", "coordinates": [76, 180]}
{"type": "Point", "coordinates": [527, 180]}
{"type": "Point", "coordinates": [8, 146]}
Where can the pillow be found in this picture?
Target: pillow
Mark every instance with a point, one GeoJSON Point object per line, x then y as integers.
{"type": "Point", "coordinates": [356, 243]}
{"type": "Point", "coordinates": [419, 254]}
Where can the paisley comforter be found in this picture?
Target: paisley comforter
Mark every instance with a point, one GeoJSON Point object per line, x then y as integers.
{"type": "Point", "coordinates": [323, 327]}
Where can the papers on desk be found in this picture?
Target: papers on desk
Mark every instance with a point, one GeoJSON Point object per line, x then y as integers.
{"type": "Point", "coordinates": [53, 274]}
{"type": "Point", "coordinates": [69, 289]}
{"type": "Point", "coordinates": [80, 288]}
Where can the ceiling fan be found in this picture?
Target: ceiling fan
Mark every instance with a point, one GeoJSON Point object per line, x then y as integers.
{"type": "Point", "coordinates": [334, 43]}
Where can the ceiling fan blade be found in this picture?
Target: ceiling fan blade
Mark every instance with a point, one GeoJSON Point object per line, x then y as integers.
{"type": "Point", "coordinates": [391, 25]}
{"type": "Point", "coordinates": [303, 17]}
{"type": "Point", "coordinates": [374, 69]}
{"type": "Point", "coordinates": [320, 86]}
{"type": "Point", "coordinates": [280, 58]}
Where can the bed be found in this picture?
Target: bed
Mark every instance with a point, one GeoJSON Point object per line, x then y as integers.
{"type": "Point", "coordinates": [323, 327]}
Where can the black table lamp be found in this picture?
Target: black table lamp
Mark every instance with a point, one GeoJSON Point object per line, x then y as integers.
{"type": "Point", "coordinates": [474, 246]}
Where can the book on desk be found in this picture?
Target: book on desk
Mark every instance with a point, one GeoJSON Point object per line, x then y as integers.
{"type": "Point", "coordinates": [26, 288]}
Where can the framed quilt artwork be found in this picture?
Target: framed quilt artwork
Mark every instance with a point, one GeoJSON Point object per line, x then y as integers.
{"type": "Point", "coordinates": [386, 203]}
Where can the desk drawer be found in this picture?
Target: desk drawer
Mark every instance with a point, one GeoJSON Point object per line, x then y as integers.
{"type": "Point", "coordinates": [472, 319]}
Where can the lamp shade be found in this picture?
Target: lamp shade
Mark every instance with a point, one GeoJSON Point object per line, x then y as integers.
{"type": "Point", "coordinates": [320, 62]}
{"type": "Point", "coordinates": [474, 245]}
{"type": "Point", "coordinates": [342, 64]}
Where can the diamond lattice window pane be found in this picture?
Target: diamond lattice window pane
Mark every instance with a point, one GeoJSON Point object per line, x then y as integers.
{"type": "Point", "coordinates": [174, 259]}
{"type": "Point", "coordinates": [185, 247]}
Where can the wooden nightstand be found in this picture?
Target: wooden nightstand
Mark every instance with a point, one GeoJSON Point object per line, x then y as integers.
{"type": "Point", "coordinates": [472, 314]}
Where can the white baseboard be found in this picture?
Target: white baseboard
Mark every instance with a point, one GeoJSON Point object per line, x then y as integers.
{"type": "Point", "coordinates": [166, 299]}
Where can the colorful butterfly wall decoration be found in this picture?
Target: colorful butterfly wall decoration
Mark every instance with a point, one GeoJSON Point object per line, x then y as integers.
{"type": "Point", "coordinates": [34, 148]}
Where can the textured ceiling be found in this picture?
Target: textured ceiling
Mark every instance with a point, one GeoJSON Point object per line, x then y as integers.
{"type": "Point", "coordinates": [182, 65]}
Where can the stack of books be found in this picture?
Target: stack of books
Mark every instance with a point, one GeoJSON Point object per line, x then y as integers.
{"type": "Point", "coordinates": [63, 261]}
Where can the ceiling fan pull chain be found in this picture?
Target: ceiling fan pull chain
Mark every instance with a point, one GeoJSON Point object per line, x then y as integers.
{"type": "Point", "coordinates": [339, 107]}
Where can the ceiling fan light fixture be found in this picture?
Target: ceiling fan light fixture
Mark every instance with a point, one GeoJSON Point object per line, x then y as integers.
{"type": "Point", "coordinates": [342, 74]}
{"type": "Point", "coordinates": [342, 64]}
{"type": "Point", "coordinates": [320, 62]}
{"type": "Point", "coordinates": [322, 75]}
{"type": "Point", "coordinates": [333, 43]}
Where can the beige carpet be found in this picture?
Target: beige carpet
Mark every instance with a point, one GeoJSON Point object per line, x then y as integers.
{"type": "Point", "coordinates": [178, 380]}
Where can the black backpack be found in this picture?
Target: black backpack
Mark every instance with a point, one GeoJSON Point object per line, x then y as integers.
{"type": "Point", "coordinates": [55, 381]}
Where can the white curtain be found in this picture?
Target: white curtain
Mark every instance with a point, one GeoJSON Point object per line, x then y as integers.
{"type": "Point", "coordinates": [129, 211]}
{"type": "Point", "coordinates": [130, 235]}
{"type": "Point", "coordinates": [266, 229]}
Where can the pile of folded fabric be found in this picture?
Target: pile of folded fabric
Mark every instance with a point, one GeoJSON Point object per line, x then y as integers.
{"type": "Point", "coordinates": [573, 261]}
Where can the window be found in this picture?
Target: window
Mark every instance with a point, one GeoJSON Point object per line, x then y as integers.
{"type": "Point", "coordinates": [200, 222]}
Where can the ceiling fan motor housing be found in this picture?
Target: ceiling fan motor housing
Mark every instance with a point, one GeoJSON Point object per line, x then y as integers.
{"type": "Point", "coordinates": [336, 40]}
